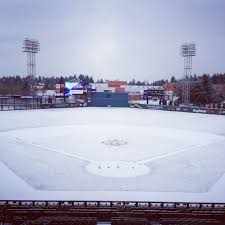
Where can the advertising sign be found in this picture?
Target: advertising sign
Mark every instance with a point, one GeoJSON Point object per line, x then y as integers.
{"type": "Point", "coordinates": [199, 110]}
{"type": "Point", "coordinates": [221, 112]}
{"type": "Point", "coordinates": [73, 88]}
{"type": "Point", "coordinates": [77, 92]}
{"type": "Point", "coordinates": [73, 85]}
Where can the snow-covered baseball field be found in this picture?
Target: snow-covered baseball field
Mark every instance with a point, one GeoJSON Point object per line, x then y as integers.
{"type": "Point", "coordinates": [112, 154]}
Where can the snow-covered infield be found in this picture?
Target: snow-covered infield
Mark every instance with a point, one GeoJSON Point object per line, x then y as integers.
{"type": "Point", "coordinates": [112, 154]}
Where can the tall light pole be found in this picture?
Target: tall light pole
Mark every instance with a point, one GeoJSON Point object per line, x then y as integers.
{"type": "Point", "coordinates": [188, 50]}
{"type": "Point", "coordinates": [31, 47]}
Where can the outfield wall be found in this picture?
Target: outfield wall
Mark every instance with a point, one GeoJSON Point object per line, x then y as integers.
{"type": "Point", "coordinates": [99, 100]}
{"type": "Point", "coordinates": [105, 99]}
{"type": "Point", "coordinates": [179, 108]}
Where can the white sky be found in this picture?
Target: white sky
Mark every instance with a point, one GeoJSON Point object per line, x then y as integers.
{"type": "Point", "coordinates": [113, 39]}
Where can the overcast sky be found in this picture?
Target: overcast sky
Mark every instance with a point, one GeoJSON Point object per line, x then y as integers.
{"type": "Point", "coordinates": [113, 39]}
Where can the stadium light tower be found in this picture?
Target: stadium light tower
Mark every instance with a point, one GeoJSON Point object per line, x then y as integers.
{"type": "Point", "coordinates": [31, 47]}
{"type": "Point", "coordinates": [188, 50]}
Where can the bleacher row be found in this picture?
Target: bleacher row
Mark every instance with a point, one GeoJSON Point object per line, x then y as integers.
{"type": "Point", "coordinates": [113, 217]}
{"type": "Point", "coordinates": [63, 221]}
{"type": "Point", "coordinates": [121, 221]}
{"type": "Point", "coordinates": [110, 204]}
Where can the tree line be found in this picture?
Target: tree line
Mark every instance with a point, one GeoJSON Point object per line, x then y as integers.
{"type": "Point", "coordinates": [201, 87]}
{"type": "Point", "coordinates": [202, 91]}
{"type": "Point", "coordinates": [217, 78]}
{"type": "Point", "coordinates": [17, 85]}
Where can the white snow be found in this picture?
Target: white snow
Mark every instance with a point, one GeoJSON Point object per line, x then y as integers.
{"type": "Point", "coordinates": [112, 154]}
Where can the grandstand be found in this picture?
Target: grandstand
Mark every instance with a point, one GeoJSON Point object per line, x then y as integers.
{"type": "Point", "coordinates": [111, 213]}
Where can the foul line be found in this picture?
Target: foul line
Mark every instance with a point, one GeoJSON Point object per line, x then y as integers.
{"type": "Point", "coordinates": [53, 150]}
{"type": "Point", "coordinates": [171, 153]}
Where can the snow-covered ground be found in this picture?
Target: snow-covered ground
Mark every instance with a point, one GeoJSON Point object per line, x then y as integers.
{"type": "Point", "coordinates": [112, 154]}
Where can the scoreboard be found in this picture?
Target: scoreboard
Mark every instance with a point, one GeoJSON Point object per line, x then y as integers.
{"type": "Point", "coordinates": [154, 92]}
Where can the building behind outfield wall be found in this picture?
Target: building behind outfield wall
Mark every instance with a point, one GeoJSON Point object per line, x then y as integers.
{"type": "Point", "coordinates": [219, 89]}
{"type": "Point", "coordinates": [173, 89]}
{"type": "Point", "coordinates": [122, 87]}
{"type": "Point", "coordinates": [135, 92]}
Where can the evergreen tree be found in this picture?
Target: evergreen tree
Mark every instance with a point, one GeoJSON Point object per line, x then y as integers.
{"type": "Point", "coordinates": [133, 82]}
{"type": "Point", "coordinates": [81, 77]}
{"type": "Point", "coordinates": [25, 89]}
{"type": "Point", "coordinates": [61, 80]}
{"type": "Point", "coordinates": [202, 91]}
{"type": "Point", "coordinates": [173, 80]}
{"type": "Point", "coordinates": [91, 80]}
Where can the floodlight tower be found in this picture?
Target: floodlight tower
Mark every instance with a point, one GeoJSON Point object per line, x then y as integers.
{"type": "Point", "coordinates": [188, 50]}
{"type": "Point", "coordinates": [31, 47]}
